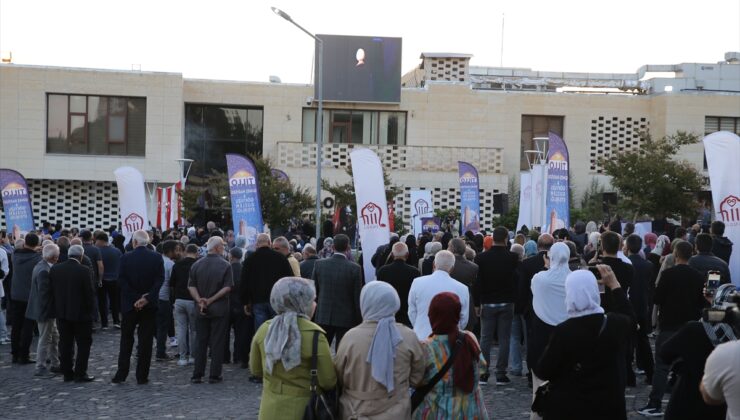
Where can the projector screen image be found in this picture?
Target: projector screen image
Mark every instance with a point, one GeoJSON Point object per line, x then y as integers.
{"type": "Point", "coordinates": [361, 68]}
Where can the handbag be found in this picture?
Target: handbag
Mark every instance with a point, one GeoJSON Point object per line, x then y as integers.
{"type": "Point", "coordinates": [418, 396]}
{"type": "Point", "coordinates": [543, 395]}
{"type": "Point", "coordinates": [321, 406]}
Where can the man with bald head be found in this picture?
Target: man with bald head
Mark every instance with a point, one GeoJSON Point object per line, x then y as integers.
{"type": "Point", "coordinates": [424, 288]}
{"type": "Point", "coordinates": [400, 275]}
{"type": "Point", "coordinates": [260, 271]}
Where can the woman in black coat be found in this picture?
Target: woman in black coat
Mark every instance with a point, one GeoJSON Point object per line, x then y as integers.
{"type": "Point", "coordinates": [581, 361]}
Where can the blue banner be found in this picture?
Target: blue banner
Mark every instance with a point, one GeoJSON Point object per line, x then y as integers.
{"type": "Point", "coordinates": [281, 175]}
{"type": "Point", "coordinates": [246, 210]}
{"type": "Point", "coordinates": [16, 203]}
{"type": "Point", "coordinates": [558, 202]}
{"type": "Point", "coordinates": [469, 197]}
{"type": "Point", "coordinates": [430, 224]}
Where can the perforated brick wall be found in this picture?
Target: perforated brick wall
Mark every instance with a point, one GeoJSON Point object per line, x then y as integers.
{"type": "Point", "coordinates": [613, 135]}
{"type": "Point", "coordinates": [444, 198]}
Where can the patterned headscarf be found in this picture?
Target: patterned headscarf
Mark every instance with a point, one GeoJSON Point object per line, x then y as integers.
{"type": "Point", "coordinates": [720, 332]}
{"type": "Point", "coordinates": [291, 297]}
{"type": "Point", "coordinates": [379, 302]}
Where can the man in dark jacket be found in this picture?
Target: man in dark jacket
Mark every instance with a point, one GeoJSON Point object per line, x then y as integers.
{"type": "Point", "coordinates": [610, 245]}
{"type": "Point", "coordinates": [643, 274]}
{"type": "Point", "coordinates": [24, 261]}
{"type": "Point", "coordinates": [238, 320]}
{"type": "Point", "coordinates": [260, 271]}
{"type": "Point", "coordinates": [338, 282]}
{"type": "Point", "coordinates": [494, 293]}
{"type": "Point", "coordinates": [465, 272]}
{"type": "Point", "coordinates": [704, 261]}
{"type": "Point", "coordinates": [140, 275]}
{"type": "Point", "coordinates": [400, 275]}
{"type": "Point", "coordinates": [721, 246]}
{"type": "Point", "coordinates": [74, 301]}
{"type": "Point", "coordinates": [41, 310]}
{"type": "Point", "coordinates": [309, 259]}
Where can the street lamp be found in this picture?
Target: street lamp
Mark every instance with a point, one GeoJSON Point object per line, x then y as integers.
{"type": "Point", "coordinates": [320, 120]}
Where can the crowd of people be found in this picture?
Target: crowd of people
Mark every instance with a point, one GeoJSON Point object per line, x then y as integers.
{"type": "Point", "coordinates": [573, 312]}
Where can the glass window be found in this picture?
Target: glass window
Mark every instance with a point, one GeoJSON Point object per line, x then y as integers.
{"type": "Point", "coordinates": [357, 127]}
{"type": "Point", "coordinates": [96, 125]}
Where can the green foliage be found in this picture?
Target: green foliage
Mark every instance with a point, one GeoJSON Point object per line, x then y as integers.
{"type": "Point", "coordinates": [509, 219]}
{"type": "Point", "coordinates": [281, 200]}
{"type": "Point", "coordinates": [591, 204]}
{"type": "Point", "coordinates": [450, 213]}
{"type": "Point", "coordinates": [651, 182]}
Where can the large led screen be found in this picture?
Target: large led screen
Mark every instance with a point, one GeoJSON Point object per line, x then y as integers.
{"type": "Point", "coordinates": [361, 68]}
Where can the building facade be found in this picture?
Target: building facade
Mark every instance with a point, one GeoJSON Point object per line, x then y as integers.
{"type": "Point", "coordinates": [67, 129]}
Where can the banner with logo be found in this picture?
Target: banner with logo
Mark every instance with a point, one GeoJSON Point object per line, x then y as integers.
{"type": "Point", "coordinates": [430, 224]}
{"type": "Point", "coordinates": [131, 201]}
{"type": "Point", "coordinates": [469, 197]}
{"type": "Point", "coordinates": [525, 201]}
{"type": "Point", "coordinates": [16, 203]}
{"type": "Point", "coordinates": [281, 175]}
{"type": "Point", "coordinates": [246, 210]}
{"type": "Point", "coordinates": [723, 155]}
{"type": "Point", "coordinates": [372, 214]}
{"type": "Point", "coordinates": [421, 206]}
{"type": "Point", "coordinates": [557, 214]}
{"type": "Point", "coordinates": [169, 206]}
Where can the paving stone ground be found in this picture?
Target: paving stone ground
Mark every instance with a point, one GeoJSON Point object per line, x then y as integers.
{"type": "Point", "coordinates": [169, 394]}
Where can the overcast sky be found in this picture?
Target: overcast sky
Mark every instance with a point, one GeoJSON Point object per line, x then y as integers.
{"type": "Point", "coordinates": [244, 40]}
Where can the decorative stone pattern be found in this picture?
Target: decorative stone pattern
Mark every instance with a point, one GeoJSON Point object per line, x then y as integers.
{"type": "Point", "coordinates": [404, 158]}
{"type": "Point", "coordinates": [81, 204]}
{"type": "Point", "coordinates": [452, 69]}
{"type": "Point", "coordinates": [614, 135]}
{"type": "Point", "coordinates": [445, 198]}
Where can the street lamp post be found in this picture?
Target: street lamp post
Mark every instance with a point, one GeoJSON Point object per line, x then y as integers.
{"type": "Point", "coordinates": [320, 119]}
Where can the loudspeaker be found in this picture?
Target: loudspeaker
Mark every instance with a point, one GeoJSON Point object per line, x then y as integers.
{"type": "Point", "coordinates": [608, 200]}
{"type": "Point", "coordinates": [501, 203]}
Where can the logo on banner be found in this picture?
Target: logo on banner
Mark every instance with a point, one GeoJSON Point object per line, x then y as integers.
{"type": "Point", "coordinates": [371, 215]}
{"type": "Point", "coordinates": [133, 222]}
{"type": "Point", "coordinates": [242, 178]}
{"type": "Point", "coordinates": [527, 194]}
{"type": "Point", "coordinates": [421, 206]}
{"type": "Point", "coordinates": [729, 209]}
{"type": "Point", "coordinates": [558, 161]}
{"type": "Point", "coordinates": [431, 225]}
{"type": "Point", "coordinates": [468, 178]}
{"type": "Point", "coordinates": [14, 189]}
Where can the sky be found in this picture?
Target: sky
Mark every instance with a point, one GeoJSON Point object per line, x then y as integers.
{"type": "Point", "coordinates": [244, 40]}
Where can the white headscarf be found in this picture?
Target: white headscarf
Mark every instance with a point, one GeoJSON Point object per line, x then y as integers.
{"type": "Point", "coordinates": [379, 302]}
{"type": "Point", "coordinates": [548, 287]}
{"type": "Point", "coordinates": [591, 227]}
{"type": "Point", "coordinates": [582, 294]}
{"type": "Point", "coordinates": [291, 297]}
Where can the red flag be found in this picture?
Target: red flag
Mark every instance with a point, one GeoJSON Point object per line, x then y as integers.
{"type": "Point", "coordinates": [391, 217]}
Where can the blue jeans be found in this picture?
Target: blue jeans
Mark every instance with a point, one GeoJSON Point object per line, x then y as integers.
{"type": "Point", "coordinates": [516, 348]}
{"type": "Point", "coordinates": [262, 312]}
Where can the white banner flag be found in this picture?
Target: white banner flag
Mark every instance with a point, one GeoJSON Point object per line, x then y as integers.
{"type": "Point", "coordinates": [723, 155]}
{"type": "Point", "coordinates": [131, 200]}
{"type": "Point", "coordinates": [372, 214]}
{"type": "Point", "coordinates": [525, 201]}
{"type": "Point", "coordinates": [539, 188]}
{"type": "Point", "coordinates": [421, 206]}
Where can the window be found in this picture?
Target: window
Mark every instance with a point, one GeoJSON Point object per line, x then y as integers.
{"type": "Point", "coordinates": [537, 126]}
{"type": "Point", "coordinates": [95, 125]}
{"type": "Point", "coordinates": [357, 127]}
{"type": "Point", "coordinates": [714, 124]}
{"type": "Point", "coordinates": [211, 131]}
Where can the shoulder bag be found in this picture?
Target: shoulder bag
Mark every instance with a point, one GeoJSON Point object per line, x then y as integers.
{"type": "Point", "coordinates": [418, 396]}
{"type": "Point", "coordinates": [321, 406]}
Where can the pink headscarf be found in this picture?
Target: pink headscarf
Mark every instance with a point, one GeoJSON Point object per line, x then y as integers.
{"type": "Point", "coordinates": [650, 240]}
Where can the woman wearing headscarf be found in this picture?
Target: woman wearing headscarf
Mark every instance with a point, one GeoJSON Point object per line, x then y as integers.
{"type": "Point", "coordinates": [530, 248]}
{"type": "Point", "coordinates": [457, 395]}
{"type": "Point", "coordinates": [581, 359]}
{"type": "Point", "coordinates": [427, 265]}
{"type": "Point", "coordinates": [548, 302]}
{"type": "Point", "coordinates": [651, 240]}
{"type": "Point", "coordinates": [413, 259]}
{"type": "Point", "coordinates": [692, 344]}
{"type": "Point", "coordinates": [592, 246]}
{"type": "Point", "coordinates": [591, 227]}
{"type": "Point", "coordinates": [282, 348]}
{"type": "Point", "coordinates": [328, 248]}
{"type": "Point", "coordinates": [378, 360]}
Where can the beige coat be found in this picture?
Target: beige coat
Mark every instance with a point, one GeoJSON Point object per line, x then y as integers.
{"type": "Point", "coordinates": [363, 398]}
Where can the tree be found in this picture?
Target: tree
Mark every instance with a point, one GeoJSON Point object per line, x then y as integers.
{"type": "Point", "coordinates": [591, 204]}
{"type": "Point", "coordinates": [282, 201]}
{"type": "Point", "coordinates": [651, 182]}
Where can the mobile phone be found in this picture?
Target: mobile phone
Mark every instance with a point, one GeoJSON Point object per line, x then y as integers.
{"type": "Point", "coordinates": [713, 278]}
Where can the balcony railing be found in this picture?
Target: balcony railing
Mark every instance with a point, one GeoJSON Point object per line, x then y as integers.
{"type": "Point", "coordinates": [403, 158]}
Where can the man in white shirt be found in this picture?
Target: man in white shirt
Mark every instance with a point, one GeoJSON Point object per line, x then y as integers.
{"type": "Point", "coordinates": [424, 288]}
{"type": "Point", "coordinates": [721, 382]}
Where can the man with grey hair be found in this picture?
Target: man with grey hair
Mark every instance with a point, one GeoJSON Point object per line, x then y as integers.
{"type": "Point", "coordinates": [423, 289]}
{"type": "Point", "coordinates": [210, 283]}
{"type": "Point", "coordinates": [140, 276]}
{"type": "Point", "coordinates": [281, 245]}
{"type": "Point", "coordinates": [400, 275]}
{"type": "Point", "coordinates": [309, 259]}
{"type": "Point", "coordinates": [465, 272]}
{"type": "Point", "coordinates": [40, 309]}
{"type": "Point", "coordinates": [427, 265]}
{"type": "Point", "coordinates": [74, 301]}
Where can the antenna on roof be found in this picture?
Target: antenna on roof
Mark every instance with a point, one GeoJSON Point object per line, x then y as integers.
{"type": "Point", "coordinates": [501, 62]}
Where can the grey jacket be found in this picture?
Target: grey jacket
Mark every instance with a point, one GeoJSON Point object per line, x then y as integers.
{"type": "Point", "coordinates": [706, 261]}
{"type": "Point", "coordinates": [24, 261]}
{"type": "Point", "coordinates": [466, 273]}
{"type": "Point", "coordinates": [40, 303]}
{"type": "Point", "coordinates": [338, 283]}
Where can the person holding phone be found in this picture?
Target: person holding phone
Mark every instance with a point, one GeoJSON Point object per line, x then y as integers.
{"type": "Point", "coordinates": [705, 261]}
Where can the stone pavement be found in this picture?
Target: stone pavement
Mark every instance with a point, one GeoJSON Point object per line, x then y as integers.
{"type": "Point", "coordinates": [169, 393]}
